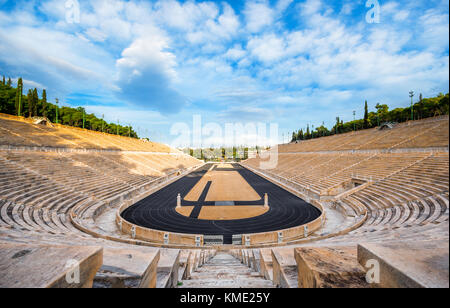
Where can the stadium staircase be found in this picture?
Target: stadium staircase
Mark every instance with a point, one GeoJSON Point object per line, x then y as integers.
{"type": "Point", "coordinates": [225, 271]}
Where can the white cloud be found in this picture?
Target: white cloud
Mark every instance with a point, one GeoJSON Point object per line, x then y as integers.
{"type": "Point", "coordinates": [258, 15]}
{"type": "Point", "coordinates": [146, 73]}
{"type": "Point", "coordinates": [267, 48]}
{"type": "Point", "coordinates": [235, 53]}
{"type": "Point", "coordinates": [434, 34]}
{"type": "Point", "coordinates": [310, 7]}
{"type": "Point", "coordinates": [96, 35]}
{"type": "Point", "coordinates": [60, 60]}
{"type": "Point", "coordinates": [227, 23]}
{"type": "Point", "coordinates": [282, 5]}
{"type": "Point", "coordinates": [347, 8]}
{"type": "Point", "coordinates": [401, 15]}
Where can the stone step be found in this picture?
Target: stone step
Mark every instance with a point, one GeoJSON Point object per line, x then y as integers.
{"type": "Point", "coordinates": [225, 274]}
{"type": "Point", "coordinates": [225, 271]}
{"type": "Point", "coordinates": [232, 283]}
{"type": "Point", "coordinates": [285, 274]}
{"type": "Point", "coordinates": [168, 267]}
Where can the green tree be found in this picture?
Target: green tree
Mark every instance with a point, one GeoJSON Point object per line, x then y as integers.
{"type": "Point", "coordinates": [18, 99]}
{"type": "Point", "coordinates": [35, 102]}
{"type": "Point", "coordinates": [294, 137]}
{"type": "Point", "coordinates": [382, 112]}
{"type": "Point", "coordinates": [44, 103]}
{"type": "Point", "coordinates": [301, 135]}
{"type": "Point", "coordinates": [30, 103]}
{"type": "Point", "coordinates": [9, 83]}
{"type": "Point", "coordinates": [366, 116]}
{"type": "Point", "coordinates": [338, 124]}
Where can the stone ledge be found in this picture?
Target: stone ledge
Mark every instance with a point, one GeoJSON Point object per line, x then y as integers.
{"type": "Point", "coordinates": [409, 264]}
{"type": "Point", "coordinates": [328, 267]}
{"type": "Point", "coordinates": [46, 266]}
{"type": "Point", "coordinates": [128, 268]}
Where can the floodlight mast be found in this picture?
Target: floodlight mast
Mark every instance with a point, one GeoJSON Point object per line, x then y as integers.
{"type": "Point", "coordinates": [411, 94]}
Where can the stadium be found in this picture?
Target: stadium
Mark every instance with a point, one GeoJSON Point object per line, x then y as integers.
{"type": "Point", "coordinates": [189, 145]}
{"type": "Point", "coordinates": [330, 205]}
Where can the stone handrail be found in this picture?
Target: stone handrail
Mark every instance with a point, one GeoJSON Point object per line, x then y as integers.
{"type": "Point", "coordinates": [76, 150]}
{"type": "Point", "coordinates": [375, 151]}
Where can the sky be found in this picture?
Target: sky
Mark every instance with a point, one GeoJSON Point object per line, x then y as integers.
{"type": "Point", "coordinates": [155, 64]}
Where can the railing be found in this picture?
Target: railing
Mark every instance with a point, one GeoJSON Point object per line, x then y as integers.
{"type": "Point", "coordinates": [211, 240]}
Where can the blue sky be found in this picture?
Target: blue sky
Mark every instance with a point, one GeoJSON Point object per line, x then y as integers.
{"type": "Point", "coordinates": [155, 63]}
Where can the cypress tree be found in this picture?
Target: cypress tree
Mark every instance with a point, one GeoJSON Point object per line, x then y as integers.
{"type": "Point", "coordinates": [30, 103]}
{"type": "Point", "coordinates": [366, 116]}
{"type": "Point", "coordinates": [35, 102]}
{"type": "Point", "coordinates": [4, 81]}
{"type": "Point", "coordinates": [44, 103]}
{"type": "Point", "coordinates": [16, 101]}
{"type": "Point", "coordinates": [19, 96]}
{"type": "Point", "coordinates": [338, 123]}
{"type": "Point", "coordinates": [9, 83]}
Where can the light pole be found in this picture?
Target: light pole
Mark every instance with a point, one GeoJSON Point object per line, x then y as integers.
{"type": "Point", "coordinates": [411, 94]}
{"type": "Point", "coordinates": [354, 120]}
{"type": "Point", "coordinates": [20, 99]}
{"type": "Point", "coordinates": [103, 121]}
{"type": "Point", "coordinates": [57, 101]}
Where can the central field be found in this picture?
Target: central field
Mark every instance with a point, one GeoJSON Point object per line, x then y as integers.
{"type": "Point", "coordinates": [226, 185]}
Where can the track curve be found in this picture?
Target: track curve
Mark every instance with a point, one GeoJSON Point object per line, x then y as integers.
{"type": "Point", "coordinates": [157, 211]}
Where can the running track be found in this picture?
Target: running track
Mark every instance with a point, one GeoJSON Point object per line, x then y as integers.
{"type": "Point", "coordinates": [157, 211]}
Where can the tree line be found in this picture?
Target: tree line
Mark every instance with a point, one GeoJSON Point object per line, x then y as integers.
{"type": "Point", "coordinates": [14, 102]}
{"type": "Point", "coordinates": [423, 108]}
{"type": "Point", "coordinates": [235, 153]}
